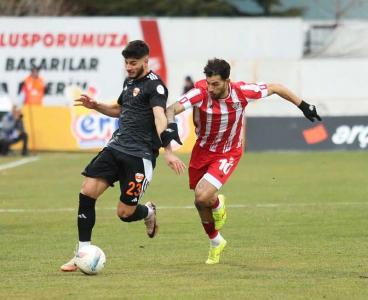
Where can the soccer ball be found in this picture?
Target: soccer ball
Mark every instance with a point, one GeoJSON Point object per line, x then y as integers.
{"type": "Point", "coordinates": [90, 260]}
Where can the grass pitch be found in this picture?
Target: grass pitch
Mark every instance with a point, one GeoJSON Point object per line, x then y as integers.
{"type": "Point", "coordinates": [297, 229]}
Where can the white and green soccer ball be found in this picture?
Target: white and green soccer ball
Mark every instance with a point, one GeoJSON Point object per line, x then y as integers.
{"type": "Point", "coordinates": [90, 260]}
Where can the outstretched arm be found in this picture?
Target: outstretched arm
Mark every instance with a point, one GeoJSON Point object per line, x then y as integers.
{"type": "Point", "coordinates": [173, 110]}
{"type": "Point", "coordinates": [283, 92]}
{"type": "Point", "coordinates": [308, 110]}
{"type": "Point", "coordinates": [111, 110]}
{"type": "Point", "coordinates": [171, 132]}
{"type": "Point", "coordinates": [161, 125]}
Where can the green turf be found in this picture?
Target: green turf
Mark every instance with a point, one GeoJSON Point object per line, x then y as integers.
{"type": "Point", "coordinates": [301, 233]}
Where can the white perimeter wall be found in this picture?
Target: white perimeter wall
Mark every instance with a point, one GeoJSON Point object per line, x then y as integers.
{"type": "Point", "coordinates": [336, 87]}
{"type": "Point", "coordinates": [267, 50]}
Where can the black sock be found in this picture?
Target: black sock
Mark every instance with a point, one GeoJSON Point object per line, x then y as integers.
{"type": "Point", "coordinates": [86, 217]}
{"type": "Point", "coordinates": [140, 213]}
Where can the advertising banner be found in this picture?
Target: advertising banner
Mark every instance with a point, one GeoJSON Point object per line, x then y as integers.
{"type": "Point", "coordinates": [299, 134]}
{"type": "Point", "coordinates": [79, 52]}
{"type": "Point", "coordinates": [77, 128]}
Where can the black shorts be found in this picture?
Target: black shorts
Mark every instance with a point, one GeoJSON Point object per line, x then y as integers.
{"type": "Point", "coordinates": [133, 173]}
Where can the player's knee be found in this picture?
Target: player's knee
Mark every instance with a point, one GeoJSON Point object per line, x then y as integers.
{"type": "Point", "coordinates": [124, 215]}
{"type": "Point", "coordinates": [85, 190]}
{"type": "Point", "coordinates": [202, 197]}
{"type": "Point", "coordinates": [86, 193]}
{"type": "Point", "coordinates": [125, 209]}
{"type": "Point", "coordinates": [132, 214]}
{"type": "Point", "coordinates": [89, 190]}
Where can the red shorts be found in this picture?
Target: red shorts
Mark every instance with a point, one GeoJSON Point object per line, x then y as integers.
{"type": "Point", "coordinates": [216, 168]}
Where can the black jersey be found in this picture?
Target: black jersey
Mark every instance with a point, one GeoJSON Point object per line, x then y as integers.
{"type": "Point", "coordinates": [137, 133]}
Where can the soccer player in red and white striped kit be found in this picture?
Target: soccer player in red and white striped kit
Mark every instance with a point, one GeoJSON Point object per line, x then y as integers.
{"type": "Point", "coordinates": [218, 116]}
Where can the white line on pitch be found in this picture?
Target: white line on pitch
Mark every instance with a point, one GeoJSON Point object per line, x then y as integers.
{"type": "Point", "coordinates": [270, 205]}
{"type": "Point", "coordinates": [18, 163]}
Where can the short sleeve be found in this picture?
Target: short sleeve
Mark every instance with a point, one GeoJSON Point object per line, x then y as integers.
{"type": "Point", "coordinates": [120, 99]}
{"type": "Point", "coordinates": [253, 91]}
{"type": "Point", "coordinates": [158, 94]}
{"type": "Point", "coordinates": [193, 98]}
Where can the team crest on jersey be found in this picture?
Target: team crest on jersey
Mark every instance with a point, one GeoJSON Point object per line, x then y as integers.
{"type": "Point", "coordinates": [236, 105]}
{"type": "Point", "coordinates": [136, 91]}
{"type": "Point", "coordinates": [139, 177]}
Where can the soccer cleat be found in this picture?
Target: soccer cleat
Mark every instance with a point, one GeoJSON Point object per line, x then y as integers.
{"type": "Point", "coordinates": [69, 266]}
{"type": "Point", "coordinates": [151, 221]}
{"type": "Point", "coordinates": [214, 254]}
{"type": "Point", "coordinates": [220, 216]}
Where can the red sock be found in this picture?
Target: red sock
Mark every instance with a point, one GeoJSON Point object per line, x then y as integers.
{"type": "Point", "coordinates": [210, 230]}
{"type": "Point", "coordinates": [217, 203]}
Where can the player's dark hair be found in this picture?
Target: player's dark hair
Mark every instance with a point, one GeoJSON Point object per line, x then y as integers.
{"type": "Point", "coordinates": [136, 49]}
{"type": "Point", "coordinates": [217, 66]}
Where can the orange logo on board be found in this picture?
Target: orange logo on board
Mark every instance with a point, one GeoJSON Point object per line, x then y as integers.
{"type": "Point", "coordinates": [315, 135]}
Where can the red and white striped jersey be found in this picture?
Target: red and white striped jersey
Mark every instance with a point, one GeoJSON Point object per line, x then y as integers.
{"type": "Point", "coordinates": [219, 123]}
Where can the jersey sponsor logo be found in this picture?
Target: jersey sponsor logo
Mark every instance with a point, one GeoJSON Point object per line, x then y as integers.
{"type": "Point", "coordinates": [136, 91]}
{"type": "Point", "coordinates": [134, 200]}
{"type": "Point", "coordinates": [139, 177]}
{"type": "Point", "coordinates": [160, 89]}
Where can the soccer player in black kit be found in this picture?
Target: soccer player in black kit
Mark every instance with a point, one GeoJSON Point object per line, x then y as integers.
{"type": "Point", "coordinates": [131, 153]}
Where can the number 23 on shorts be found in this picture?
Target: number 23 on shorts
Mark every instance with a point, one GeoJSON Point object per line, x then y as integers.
{"type": "Point", "coordinates": [135, 189]}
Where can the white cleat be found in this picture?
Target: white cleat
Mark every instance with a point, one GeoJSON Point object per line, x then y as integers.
{"type": "Point", "coordinates": [69, 266]}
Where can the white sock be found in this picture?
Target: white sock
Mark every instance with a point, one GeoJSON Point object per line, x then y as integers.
{"type": "Point", "coordinates": [150, 211]}
{"type": "Point", "coordinates": [218, 207]}
{"type": "Point", "coordinates": [82, 244]}
{"type": "Point", "coordinates": [215, 242]}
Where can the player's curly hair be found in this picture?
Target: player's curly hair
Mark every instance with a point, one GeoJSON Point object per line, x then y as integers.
{"type": "Point", "coordinates": [136, 49]}
{"type": "Point", "coordinates": [217, 66]}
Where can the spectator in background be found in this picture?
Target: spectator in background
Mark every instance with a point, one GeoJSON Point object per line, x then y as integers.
{"type": "Point", "coordinates": [34, 88]}
{"type": "Point", "coordinates": [4, 143]}
{"type": "Point", "coordinates": [189, 84]}
{"type": "Point", "coordinates": [12, 131]}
